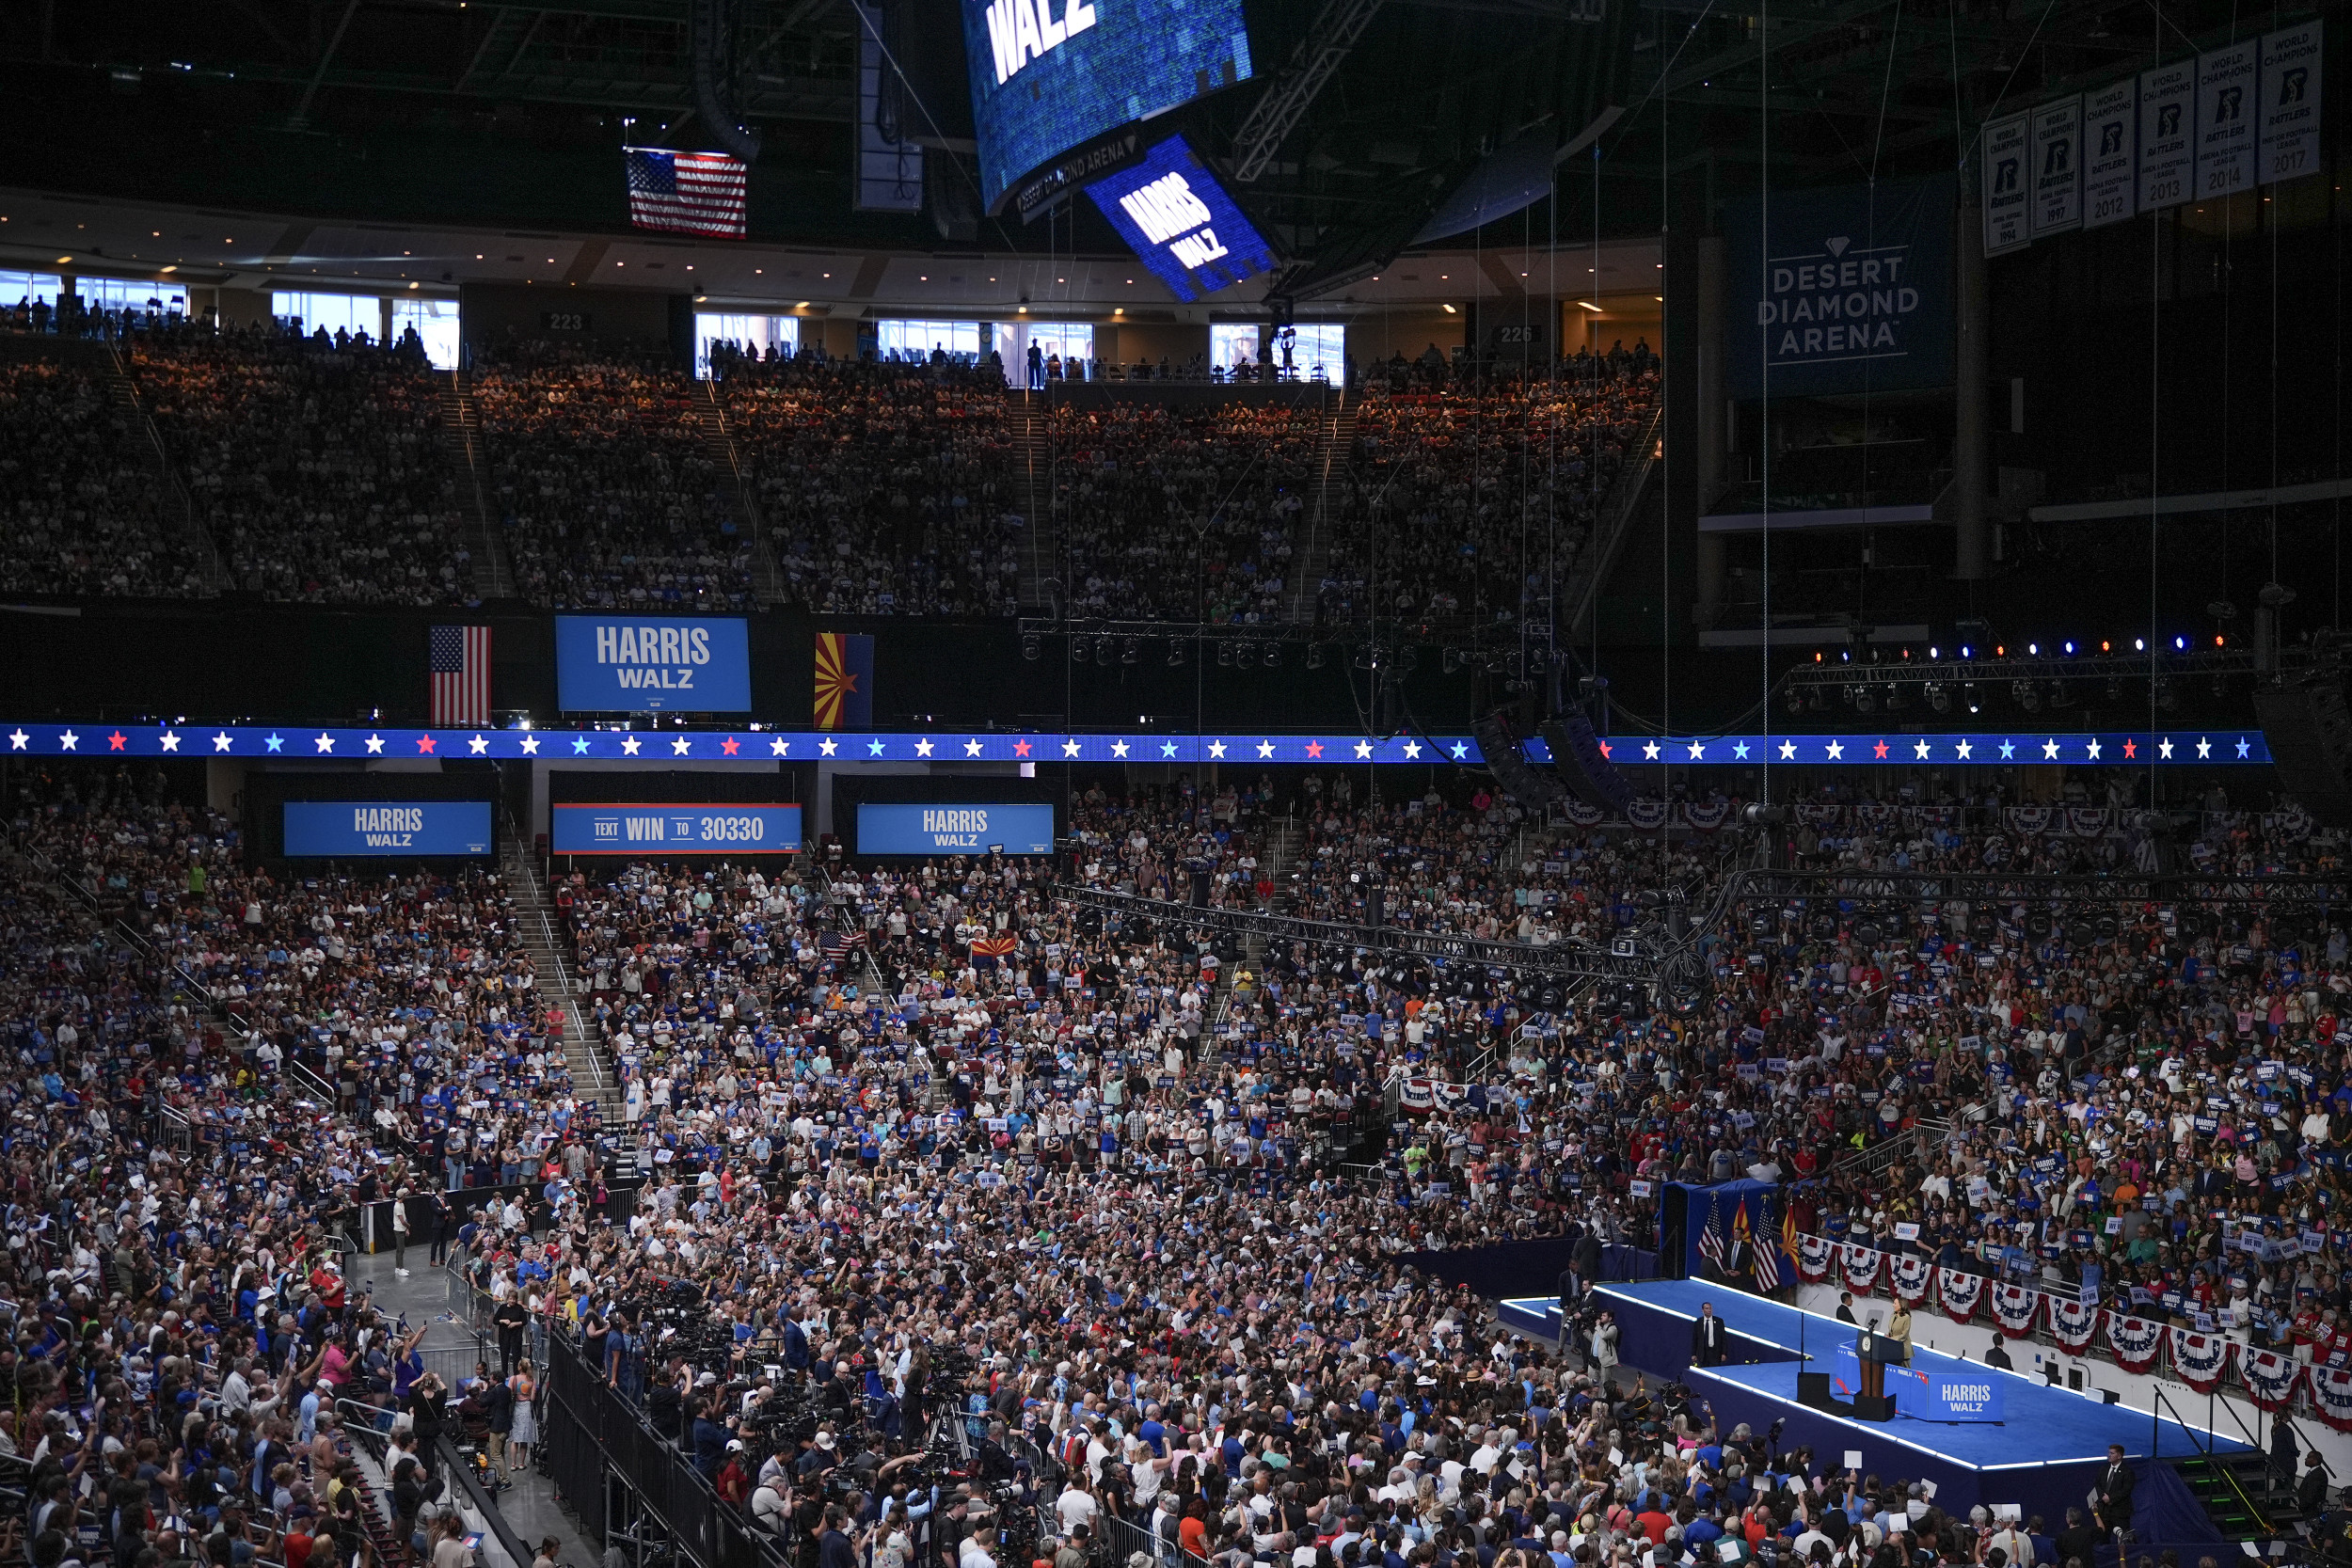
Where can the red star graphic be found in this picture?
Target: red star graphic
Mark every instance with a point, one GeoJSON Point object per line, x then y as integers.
{"type": "Point", "coordinates": [1604, 751]}
{"type": "Point", "coordinates": [1881, 749]}
{"type": "Point", "coordinates": [424, 743]}
{"type": "Point", "coordinates": [728, 746]}
{"type": "Point", "coordinates": [114, 741]}
{"type": "Point", "coordinates": [1021, 748]}
{"type": "Point", "coordinates": [2131, 749]}
{"type": "Point", "coordinates": [1314, 748]}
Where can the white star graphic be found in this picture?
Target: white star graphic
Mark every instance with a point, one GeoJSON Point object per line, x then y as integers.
{"type": "Point", "coordinates": [2205, 747]}
{"type": "Point", "coordinates": [779, 747]}
{"type": "Point", "coordinates": [1836, 751]}
{"type": "Point", "coordinates": [2049, 749]}
{"type": "Point", "coordinates": [1265, 748]}
{"type": "Point", "coordinates": [18, 739]}
{"type": "Point", "coordinates": [1920, 748]}
{"type": "Point", "coordinates": [1216, 749]}
{"type": "Point", "coordinates": [1963, 750]}
{"type": "Point", "coordinates": [923, 747]}
{"type": "Point", "coordinates": [2164, 750]}
{"type": "Point", "coordinates": [972, 748]}
{"type": "Point", "coordinates": [221, 741]}
{"type": "Point", "coordinates": [628, 745]}
{"type": "Point", "coordinates": [1118, 748]}
{"type": "Point", "coordinates": [1460, 751]}
{"type": "Point", "coordinates": [873, 748]}
{"type": "Point", "coordinates": [1738, 751]}
{"type": "Point", "coordinates": [827, 746]}
{"type": "Point", "coordinates": [1649, 751]}
{"type": "Point", "coordinates": [679, 746]}
{"type": "Point", "coordinates": [324, 741]}
{"type": "Point", "coordinates": [1167, 748]}
{"type": "Point", "coordinates": [2244, 749]}
{"type": "Point", "coordinates": [2009, 749]}
{"type": "Point", "coordinates": [2093, 747]}
{"type": "Point", "coordinates": [1788, 750]}
{"type": "Point", "coordinates": [1697, 750]}
{"type": "Point", "coordinates": [66, 740]}
{"type": "Point", "coordinates": [580, 746]}
{"type": "Point", "coordinates": [1070, 747]}
{"type": "Point", "coordinates": [1363, 748]}
{"type": "Point", "coordinates": [375, 745]}
{"type": "Point", "coordinates": [1412, 749]}
{"type": "Point", "coordinates": [531, 745]}
{"type": "Point", "coordinates": [477, 746]}
{"type": "Point", "coordinates": [171, 741]}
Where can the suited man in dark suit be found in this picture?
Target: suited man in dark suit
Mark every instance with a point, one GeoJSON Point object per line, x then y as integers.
{"type": "Point", "coordinates": [2115, 1492]}
{"type": "Point", "coordinates": [1711, 1340]}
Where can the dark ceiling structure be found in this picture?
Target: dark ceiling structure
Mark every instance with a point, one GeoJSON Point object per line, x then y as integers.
{"type": "Point", "coordinates": [1362, 118]}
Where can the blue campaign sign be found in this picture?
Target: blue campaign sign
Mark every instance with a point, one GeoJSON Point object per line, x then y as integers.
{"type": "Point", "coordinates": [1180, 222]}
{"type": "Point", "coordinates": [342, 830]}
{"type": "Point", "coordinates": [1957, 1397]}
{"type": "Point", "coordinates": [1048, 75]}
{"type": "Point", "coordinates": [667, 827]}
{"type": "Point", "coordinates": [1850, 291]}
{"type": "Point", "coordinates": [896, 829]}
{"type": "Point", "coordinates": [635, 663]}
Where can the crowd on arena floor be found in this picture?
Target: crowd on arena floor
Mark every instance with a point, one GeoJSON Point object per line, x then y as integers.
{"type": "Point", "coordinates": [901, 1113]}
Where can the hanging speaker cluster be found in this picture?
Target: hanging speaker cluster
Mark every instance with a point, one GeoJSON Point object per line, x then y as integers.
{"type": "Point", "coordinates": [1576, 757]}
{"type": "Point", "coordinates": [1533, 788]}
{"type": "Point", "coordinates": [2310, 735]}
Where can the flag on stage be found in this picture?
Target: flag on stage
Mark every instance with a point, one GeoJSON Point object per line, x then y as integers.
{"type": "Point", "coordinates": [1767, 1256]}
{"type": "Point", "coordinates": [686, 192]}
{"type": "Point", "coordinates": [845, 680]}
{"type": "Point", "coordinates": [1712, 1235]}
{"type": "Point", "coordinates": [458, 659]}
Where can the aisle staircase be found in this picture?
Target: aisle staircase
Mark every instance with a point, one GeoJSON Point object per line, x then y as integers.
{"type": "Point", "coordinates": [1317, 550]}
{"type": "Point", "coordinates": [461, 439]}
{"type": "Point", "coordinates": [1581, 594]}
{"type": "Point", "coordinates": [718, 439]}
{"type": "Point", "coordinates": [177, 508]}
{"type": "Point", "coordinates": [550, 962]}
{"type": "Point", "coordinates": [1033, 489]}
{"type": "Point", "coordinates": [1281, 853]}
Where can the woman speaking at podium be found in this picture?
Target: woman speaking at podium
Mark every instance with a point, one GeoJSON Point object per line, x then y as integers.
{"type": "Point", "coordinates": [1899, 1328]}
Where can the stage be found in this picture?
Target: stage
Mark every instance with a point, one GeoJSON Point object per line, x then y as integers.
{"type": "Point", "coordinates": [2044, 1454]}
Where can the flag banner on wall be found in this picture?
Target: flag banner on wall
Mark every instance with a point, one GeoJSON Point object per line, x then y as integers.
{"type": "Point", "coordinates": [458, 660]}
{"type": "Point", "coordinates": [845, 680]}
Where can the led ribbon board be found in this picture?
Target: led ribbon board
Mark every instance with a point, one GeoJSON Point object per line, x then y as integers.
{"type": "Point", "coordinates": [1179, 223]}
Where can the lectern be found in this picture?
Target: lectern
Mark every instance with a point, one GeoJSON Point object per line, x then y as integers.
{"type": "Point", "coordinates": [1873, 1351]}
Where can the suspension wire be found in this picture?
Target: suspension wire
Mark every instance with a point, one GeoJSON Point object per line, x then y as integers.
{"type": "Point", "coordinates": [2155, 395]}
{"type": "Point", "coordinates": [1665, 227]}
{"type": "Point", "coordinates": [1764, 355]}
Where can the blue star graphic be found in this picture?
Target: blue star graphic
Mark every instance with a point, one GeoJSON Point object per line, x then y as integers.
{"type": "Point", "coordinates": [1460, 751]}
{"type": "Point", "coordinates": [580, 746]}
{"type": "Point", "coordinates": [274, 741]}
{"type": "Point", "coordinates": [874, 747]}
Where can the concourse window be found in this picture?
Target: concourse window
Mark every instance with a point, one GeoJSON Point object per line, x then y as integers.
{"type": "Point", "coordinates": [753, 337]}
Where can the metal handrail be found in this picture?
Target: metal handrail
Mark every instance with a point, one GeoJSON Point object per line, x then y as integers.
{"type": "Point", "coordinates": [604, 1083]}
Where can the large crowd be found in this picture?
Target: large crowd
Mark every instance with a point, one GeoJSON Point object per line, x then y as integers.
{"type": "Point", "coordinates": [1131, 1201]}
{"type": "Point", "coordinates": [80, 510]}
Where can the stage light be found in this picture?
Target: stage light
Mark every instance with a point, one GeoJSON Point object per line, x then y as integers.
{"type": "Point", "coordinates": [1029, 647]}
{"type": "Point", "coordinates": [1274, 655]}
{"type": "Point", "coordinates": [1102, 650]}
{"type": "Point", "coordinates": [1969, 695]}
{"type": "Point", "coordinates": [1864, 702]}
{"type": "Point", "coordinates": [1175, 655]}
{"type": "Point", "coordinates": [1078, 650]}
{"type": "Point", "coordinates": [2062, 695]}
{"type": "Point", "coordinates": [2139, 644]}
{"type": "Point", "coordinates": [1818, 701]}
{"type": "Point", "coordinates": [1965, 652]}
{"type": "Point", "coordinates": [1225, 656]}
{"type": "Point", "coordinates": [1939, 697]}
{"type": "Point", "coordinates": [1796, 700]}
{"type": "Point", "coordinates": [1246, 656]}
{"type": "Point", "coordinates": [2026, 696]}
{"type": "Point", "coordinates": [2069, 646]}
{"type": "Point", "coordinates": [1314, 656]}
{"type": "Point", "coordinates": [1932, 652]}
{"type": "Point", "coordinates": [2033, 650]}
{"type": "Point", "coordinates": [1131, 652]}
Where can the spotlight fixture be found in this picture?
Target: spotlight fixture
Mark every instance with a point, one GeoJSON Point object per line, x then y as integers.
{"type": "Point", "coordinates": [1102, 650]}
{"type": "Point", "coordinates": [1225, 656]}
{"type": "Point", "coordinates": [1796, 700]}
{"type": "Point", "coordinates": [1314, 656]}
{"type": "Point", "coordinates": [1969, 695]}
{"type": "Point", "coordinates": [1131, 652]}
{"type": "Point", "coordinates": [1450, 660]}
{"type": "Point", "coordinates": [2026, 696]}
{"type": "Point", "coordinates": [2167, 698]}
{"type": "Point", "coordinates": [1939, 697]}
{"type": "Point", "coordinates": [1864, 700]}
{"type": "Point", "coordinates": [2062, 695]}
{"type": "Point", "coordinates": [1818, 700]}
{"type": "Point", "coordinates": [1078, 650]}
{"type": "Point", "coordinates": [1274, 655]}
{"type": "Point", "coordinates": [2115, 689]}
{"type": "Point", "coordinates": [1175, 655]}
{"type": "Point", "coordinates": [1246, 656]}
{"type": "Point", "coordinates": [1029, 645]}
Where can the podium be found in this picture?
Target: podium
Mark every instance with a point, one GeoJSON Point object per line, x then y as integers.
{"type": "Point", "coordinates": [1873, 1351]}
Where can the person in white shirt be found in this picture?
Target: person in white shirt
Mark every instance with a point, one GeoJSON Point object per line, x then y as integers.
{"type": "Point", "coordinates": [1076, 1506]}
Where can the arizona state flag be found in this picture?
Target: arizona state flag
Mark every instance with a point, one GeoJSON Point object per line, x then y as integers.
{"type": "Point", "coordinates": [845, 680]}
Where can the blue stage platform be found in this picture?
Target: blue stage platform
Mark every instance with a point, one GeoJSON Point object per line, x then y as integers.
{"type": "Point", "coordinates": [2044, 1455]}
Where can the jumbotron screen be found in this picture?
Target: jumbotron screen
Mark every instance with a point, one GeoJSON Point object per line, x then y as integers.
{"type": "Point", "coordinates": [1049, 74]}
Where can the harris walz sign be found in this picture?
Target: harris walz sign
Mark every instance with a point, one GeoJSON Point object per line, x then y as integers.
{"type": "Point", "coordinates": [1850, 291]}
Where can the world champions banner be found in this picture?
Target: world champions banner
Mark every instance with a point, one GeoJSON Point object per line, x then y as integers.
{"type": "Point", "coordinates": [1850, 291]}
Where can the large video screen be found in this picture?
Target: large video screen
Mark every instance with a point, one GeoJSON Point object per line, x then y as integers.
{"type": "Point", "coordinates": [626, 663]}
{"type": "Point", "coordinates": [890, 828]}
{"type": "Point", "coordinates": [1048, 75]}
{"type": "Point", "coordinates": [1181, 224]}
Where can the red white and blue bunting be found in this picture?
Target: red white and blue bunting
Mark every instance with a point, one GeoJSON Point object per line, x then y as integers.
{"type": "Point", "coordinates": [1910, 1274]}
{"type": "Point", "coordinates": [2270, 1378]}
{"type": "Point", "coordinates": [1861, 1267]}
{"type": "Point", "coordinates": [1962, 1293]}
{"type": "Point", "coordinates": [1815, 1256]}
{"type": "Point", "coordinates": [2073, 1324]}
{"type": "Point", "coordinates": [2136, 1341]}
{"type": "Point", "coordinates": [2014, 1308]}
{"type": "Point", "coordinates": [2199, 1359]}
{"type": "Point", "coordinates": [2332, 1395]}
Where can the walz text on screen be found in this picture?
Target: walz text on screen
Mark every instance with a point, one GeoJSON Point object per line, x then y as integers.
{"type": "Point", "coordinates": [669, 828]}
{"type": "Point", "coordinates": [349, 830]}
{"type": "Point", "coordinates": [624, 664]}
{"type": "Point", "coordinates": [1180, 223]}
{"type": "Point", "coordinates": [900, 829]}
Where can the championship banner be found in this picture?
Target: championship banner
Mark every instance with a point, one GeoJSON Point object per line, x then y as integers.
{"type": "Point", "coordinates": [1911, 1275]}
{"type": "Point", "coordinates": [845, 680]}
{"type": "Point", "coordinates": [2135, 1341]}
{"type": "Point", "coordinates": [1861, 1267]}
{"type": "Point", "coordinates": [2073, 1324]}
{"type": "Point", "coordinates": [2199, 1359]}
{"type": "Point", "coordinates": [2014, 1308]}
{"type": "Point", "coordinates": [2269, 1376]}
{"type": "Point", "coordinates": [1815, 1256]}
{"type": "Point", "coordinates": [1959, 1293]}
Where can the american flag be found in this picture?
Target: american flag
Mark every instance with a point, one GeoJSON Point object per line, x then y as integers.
{"type": "Point", "coordinates": [686, 192]}
{"type": "Point", "coordinates": [1766, 1254]}
{"type": "Point", "coordinates": [1711, 1236]}
{"type": "Point", "coordinates": [460, 662]}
